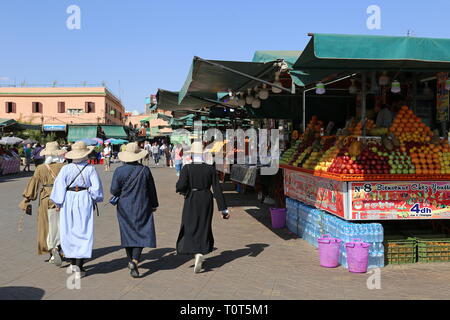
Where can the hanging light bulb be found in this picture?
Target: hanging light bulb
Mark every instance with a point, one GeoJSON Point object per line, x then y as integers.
{"type": "Point", "coordinates": [427, 90]}
{"type": "Point", "coordinates": [256, 103]}
{"type": "Point", "coordinates": [320, 88]}
{"type": "Point", "coordinates": [384, 79]}
{"type": "Point", "coordinates": [230, 94]}
{"type": "Point", "coordinates": [277, 82]}
{"type": "Point", "coordinates": [264, 93]}
{"type": "Point", "coordinates": [353, 89]}
{"type": "Point", "coordinates": [249, 97]}
{"type": "Point", "coordinates": [395, 87]}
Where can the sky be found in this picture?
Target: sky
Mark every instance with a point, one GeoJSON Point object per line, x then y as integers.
{"type": "Point", "coordinates": [138, 46]}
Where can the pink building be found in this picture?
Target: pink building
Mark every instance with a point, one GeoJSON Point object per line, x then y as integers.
{"type": "Point", "coordinates": [61, 105]}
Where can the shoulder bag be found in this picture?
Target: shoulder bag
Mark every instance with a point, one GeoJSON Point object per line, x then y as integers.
{"type": "Point", "coordinates": [115, 199]}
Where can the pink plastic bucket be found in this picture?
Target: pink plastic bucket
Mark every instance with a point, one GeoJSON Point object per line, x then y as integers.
{"type": "Point", "coordinates": [278, 217]}
{"type": "Point", "coordinates": [357, 256]}
{"type": "Point", "coordinates": [329, 251]}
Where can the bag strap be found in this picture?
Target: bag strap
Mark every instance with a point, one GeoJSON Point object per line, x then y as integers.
{"type": "Point", "coordinates": [68, 186]}
{"type": "Point", "coordinates": [51, 171]}
{"type": "Point", "coordinates": [129, 178]}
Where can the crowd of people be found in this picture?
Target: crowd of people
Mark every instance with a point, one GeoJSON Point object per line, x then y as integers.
{"type": "Point", "coordinates": [68, 195]}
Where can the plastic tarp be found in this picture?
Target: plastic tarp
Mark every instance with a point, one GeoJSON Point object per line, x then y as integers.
{"type": "Point", "coordinates": [116, 132]}
{"type": "Point", "coordinates": [327, 54]}
{"type": "Point", "coordinates": [77, 133]}
{"type": "Point", "coordinates": [205, 78]}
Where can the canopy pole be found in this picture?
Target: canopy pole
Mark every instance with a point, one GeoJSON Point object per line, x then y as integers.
{"type": "Point", "coordinates": [242, 74]}
{"type": "Point", "coordinates": [363, 102]}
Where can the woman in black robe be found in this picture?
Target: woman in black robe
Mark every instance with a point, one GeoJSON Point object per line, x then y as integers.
{"type": "Point", "coordinates": [134, 185]}
{"type": "Point", "coordinates": [195, 182]}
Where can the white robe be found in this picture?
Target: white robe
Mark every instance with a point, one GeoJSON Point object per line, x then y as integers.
{"type": "Point", "coordinates": [77, 214]}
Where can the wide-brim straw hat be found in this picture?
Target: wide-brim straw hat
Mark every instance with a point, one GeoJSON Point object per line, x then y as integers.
{"type": "Point", "coordinates": [52, 149]}
{"type": "Point", "coordinates": [79, 151]}
{"type": "Point", "coordinates": [197, 148]}
{"type": "Point", "coordinates": [132, 153]}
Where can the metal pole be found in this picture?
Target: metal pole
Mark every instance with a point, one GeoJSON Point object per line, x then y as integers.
{"type": "Point", "coordinates": [242, 74]}
{"type": "Point", "coordinates": [363, 102]}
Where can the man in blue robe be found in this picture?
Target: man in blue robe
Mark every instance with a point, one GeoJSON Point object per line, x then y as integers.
{"type": "Point", "coordinates": [76, 190]}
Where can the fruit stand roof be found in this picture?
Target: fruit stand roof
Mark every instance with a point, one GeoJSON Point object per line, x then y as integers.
{"type": "Point", "coordinates": [327, 54]}
{"type": "Point", "coordinates": [211, 76]}
{"type": "Point", "coordinates": [290, 57]}
{"type": "Point", "coordinates": [168, 100]}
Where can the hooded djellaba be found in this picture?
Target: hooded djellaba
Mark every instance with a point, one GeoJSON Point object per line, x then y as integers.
{"type": "Point", "coordinates": [76, 191]}
{"type": "Point", "coordinates": [41, 185]}
{"type": "Point", "coordinates": [133, 184]}
{"type": "Point", "coordinates": [195, 182]}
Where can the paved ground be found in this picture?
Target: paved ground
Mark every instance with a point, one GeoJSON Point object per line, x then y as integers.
{"type": "Point", "coordinates": [251, 260]}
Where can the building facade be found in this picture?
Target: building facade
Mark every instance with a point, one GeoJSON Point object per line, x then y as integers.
{"type": "Point", "coordinates": [61, 105]}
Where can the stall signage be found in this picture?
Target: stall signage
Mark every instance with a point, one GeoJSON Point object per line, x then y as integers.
{"type": "Point", "coordinates": [442, 98]}
{"type": "Point", "coordinates": [54, 127]}
{"type": "Point", "coordinates": [322, 193]}
{"type": "Point", "coordinates": [400, 200]}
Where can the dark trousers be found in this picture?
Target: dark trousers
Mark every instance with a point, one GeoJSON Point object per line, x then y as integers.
{"type": "Point", "coordinates": [134, 253]}
{"type": "Point", "coordinates": [77, 262]}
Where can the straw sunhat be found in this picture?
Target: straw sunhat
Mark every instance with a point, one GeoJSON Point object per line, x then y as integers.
{"type": "Point", "coordinates": [197, 147]}
{"type": "Point", "coordinates": [52, 149]}
{"type": "Point", "coordinates": [79, 151]}
{"type": "Point", "coordinates": [132, 153]}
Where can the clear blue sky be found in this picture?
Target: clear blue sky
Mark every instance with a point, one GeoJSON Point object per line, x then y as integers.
{"type": "Point", "coordinates": [149, 44]}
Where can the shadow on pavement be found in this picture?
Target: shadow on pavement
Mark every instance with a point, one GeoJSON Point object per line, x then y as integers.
{"type": "Point", "coordinates": [168, 262]}
{"type": "Point", "coordinates": [122, 263]}
{"type": "Point", "coordinates": [263, 216]}
{"type": "Point", "coordinates": [251, 250]}
{"type": "Point", "coordinates": [21, 293]}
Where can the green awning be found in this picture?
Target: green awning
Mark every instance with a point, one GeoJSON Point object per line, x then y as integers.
{"type": "Point", "coordinates": [203, 77]}
{"type": "Point", "coordinates": [290, 57]}
{"type": "Point", "coordinates": [164, 117]}
{"type": "Point", "coordinates": [327, 54]}
{"type": "Point", "coordinates": [77, 133]}
{"type": "Point", "coordinates": [145, 119]}
{"type": "Point", "coordinates": [116, 132]}
{"type": "Point", "coordinates": [7, 122]}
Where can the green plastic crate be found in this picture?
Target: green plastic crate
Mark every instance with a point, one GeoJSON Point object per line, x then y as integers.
{"type": "Point", "coordinates": [433, 248]}
{"type": "Point", "coordinates": [398, 250]}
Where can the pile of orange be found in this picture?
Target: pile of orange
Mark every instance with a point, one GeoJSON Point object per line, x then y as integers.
{"type": "Point", "coordinates": [357, 130]}
{"type": "Point", "coordinates": [407, 127]}
{"type": "Point", "coordinates": [428, 158]}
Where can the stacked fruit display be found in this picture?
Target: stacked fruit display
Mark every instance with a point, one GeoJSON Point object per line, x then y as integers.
{"type": "Point", "coordinates": [327, 159]}
{"type": "Point", "coordinates": [407, 127]}
{"type": "Point", "coordinates": [312, 161]}
{"type": "Point", "coordinates": [289, 154]}
{"type": "Point", "coordinates": [401, 163]}
{"type": "Point", "coordinates": [302, 157]}
{"type": "Point", "coordinates": [357, 130]}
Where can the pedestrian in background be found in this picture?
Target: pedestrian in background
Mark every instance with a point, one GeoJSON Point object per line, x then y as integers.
{"type": "Point", "coordinates": [76, 192]}
{"type": "Point", "coordinates": [41, 185]}
{"type": "Point", "coordinates": [155, 152]}
{"type": "Point", "coordinates": [133, 184]}
{"type": "Point", "coordinates": [28, 152]}
{"type": "Point", "coordinates": [195, 182]}
{"type": "Point", "coordinates": [36, 154]}
{"type": "Point", "coordinates": [178, 158]}
{"type": "Point", "coordinates": [107, 152]}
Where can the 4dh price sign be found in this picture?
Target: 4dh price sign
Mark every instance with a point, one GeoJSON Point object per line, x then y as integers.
{"type": "Point", "coordinates": [399, 200]}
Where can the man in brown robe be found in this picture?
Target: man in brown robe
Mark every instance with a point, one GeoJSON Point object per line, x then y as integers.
{"type": "Point", "coordinates": [41, 185]}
